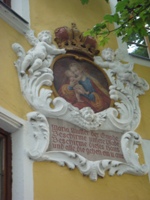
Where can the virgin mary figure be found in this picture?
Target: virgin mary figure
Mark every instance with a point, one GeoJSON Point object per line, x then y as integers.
{"type": "Point", "coordinates": [91, 93]}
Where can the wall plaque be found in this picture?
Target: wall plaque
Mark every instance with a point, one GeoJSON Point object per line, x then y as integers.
{"type": "Point", "coordinates": [87, 105]}
{"type": "Point", "coordinates": [93, 145]}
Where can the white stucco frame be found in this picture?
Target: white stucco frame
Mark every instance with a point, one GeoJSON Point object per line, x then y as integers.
{"type": "Point", "coordinates": [124, 117]}
{"type": "Point", "coordinates": [22, 169]}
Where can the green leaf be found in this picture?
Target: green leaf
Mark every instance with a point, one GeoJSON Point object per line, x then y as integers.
{"type": "Point", "coordinates": [129, 31]}
{"type": "Point", "coordinates": [88, 32]}
{"type": "Point", "coordinates": [143, 32]}
{"type": "Point", "coordinates": [104, 33]}
{"type": "Point", "coordinates": [100, 26]}
{"type": "Point", "coordinates": [84, 1]}
{"type": "Point", "coordinates": [109, 18]}
{"type": "Point", "coordinates": [104, 41]}
{"type": "Point", "coordinates": [135, 3]}
{"type": "Point", "coordinates": [116, 17]}
{"type": "Point", "coordinates": [121, 5]}
{"type": "Point", "coordinates": [125, 38]}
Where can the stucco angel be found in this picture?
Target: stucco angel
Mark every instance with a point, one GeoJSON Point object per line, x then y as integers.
{"type": "Point", "coordinates": [108, 60]}
{"type": "Point", "coordinates": [42, 52]}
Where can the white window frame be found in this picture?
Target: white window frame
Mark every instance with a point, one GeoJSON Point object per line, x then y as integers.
{"type": "Point", "coordinates": [21, 7]}
{"type": "Point", "coordinates": [18, 16]}
{"type": "Point", "coordinates": [146, 150]}
{"type": "Point", "coordinates": [22, 166]}
{"type": "Point", "coordinates": [122, 46]}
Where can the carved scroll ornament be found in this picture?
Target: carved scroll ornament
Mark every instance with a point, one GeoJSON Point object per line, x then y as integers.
{"type": "Point", "coordinates": [36, 79]}
{"type": "Point", "coordinates": [39, 139]}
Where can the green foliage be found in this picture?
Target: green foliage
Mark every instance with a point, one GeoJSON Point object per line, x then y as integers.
{"type": "Point", "coordinates": [84, 1]}
{"type": "Point", "coordinates": [137, 46]}
{"type": "Point", "coordinates": [131, 17]}
{"type": "Point", "coordinates": [87, 1]}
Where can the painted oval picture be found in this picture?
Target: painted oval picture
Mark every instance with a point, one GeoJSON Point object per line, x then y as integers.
{"type": "Point", "coordinates": [81, 83]}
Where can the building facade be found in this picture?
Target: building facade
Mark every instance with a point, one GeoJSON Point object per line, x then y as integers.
{"type": "Point", "coordinates": [33, 180]}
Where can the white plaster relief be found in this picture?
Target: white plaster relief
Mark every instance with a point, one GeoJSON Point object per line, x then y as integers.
{"type": "Point", "coordinates": [38, 135]}
{"type": "Point", "coordinates": [123, 117]}
{"type": "Point", "coordinates": [31, 84]}
{"type": "Point", "coordinates": [125, 89]}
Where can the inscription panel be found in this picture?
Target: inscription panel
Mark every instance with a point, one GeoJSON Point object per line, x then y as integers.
{"type": "Point", "coordinates": [93, 145]}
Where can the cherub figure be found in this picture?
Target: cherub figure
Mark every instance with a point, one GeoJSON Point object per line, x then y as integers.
{"type": "Point", "coordinates": [42, 51]}
{"type": "Point", "coordinates": [108, 60]}
{"type": "Point", "coordinates": [88, 114]}
{"type": "Point", "coordinates": [78, 88]}
{"type": "Point", "coordinates": [123, 70]}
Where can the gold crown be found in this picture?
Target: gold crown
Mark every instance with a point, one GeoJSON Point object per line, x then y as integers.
{"type": "Point", "coordinates": [72, 39]}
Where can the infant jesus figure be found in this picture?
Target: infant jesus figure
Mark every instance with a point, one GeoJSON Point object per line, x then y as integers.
{"type": "Point", "coordinates": [74, 85]}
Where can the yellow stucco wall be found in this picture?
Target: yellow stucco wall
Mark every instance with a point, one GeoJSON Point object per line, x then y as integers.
{"type": "Point", "coordinates": [10, 95]}
{"type": "Point", "coordinates": [57, 183]}
{"type": "Point", "coordinates": [50, 180]}
{"type": "Point", "coordinates": [144, 100]}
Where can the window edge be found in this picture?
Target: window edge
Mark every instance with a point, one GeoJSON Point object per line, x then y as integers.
{"type": "Point", "coordinates": [13, 19]}
{"type": "Point", "coordinates": [22, 166]}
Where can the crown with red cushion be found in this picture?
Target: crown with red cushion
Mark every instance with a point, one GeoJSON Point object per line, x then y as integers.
{"type": "Point", "coordinates": [72, 39]}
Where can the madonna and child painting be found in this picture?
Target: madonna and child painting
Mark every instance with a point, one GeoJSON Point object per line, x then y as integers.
{"type": "Point", "coordinates": [81, 83]}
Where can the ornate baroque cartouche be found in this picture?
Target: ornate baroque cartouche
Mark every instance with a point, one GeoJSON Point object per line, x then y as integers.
{"type": "Point", "coordinates": [35, 73]}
